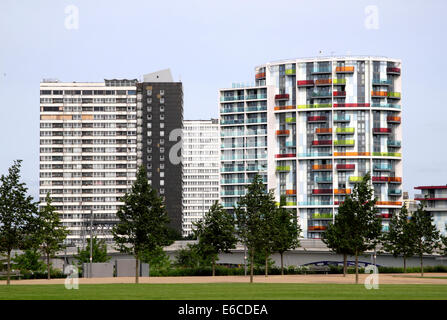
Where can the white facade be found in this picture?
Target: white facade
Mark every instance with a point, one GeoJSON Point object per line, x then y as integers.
{"type": "Point", "coordinates": [325, 122]}
{"type": "Point", "coordinates": [201, 163]}
{"type": "Point", "coordinates": [87, 152]}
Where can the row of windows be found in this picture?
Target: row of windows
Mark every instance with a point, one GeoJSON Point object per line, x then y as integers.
{"type": "Point", "coordinates": [86, 174]}
{"type": "Point", "coordinates": [88, 92]}
{"type": "Point", "coordinates": [89, 182]}
{"type": "Point", "coordinates": [88, 141]}
{"type": "Point", "coordinates": [89, 150]}
{"type": "Point", "coordinates": [87, 125]}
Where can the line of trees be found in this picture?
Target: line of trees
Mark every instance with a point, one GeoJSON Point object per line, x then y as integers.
{"type": "Point", "coordinates": [358, 228]}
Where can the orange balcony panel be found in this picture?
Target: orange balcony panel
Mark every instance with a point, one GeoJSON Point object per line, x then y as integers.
{"type": "Point", "coordinates": [57, 117]}
{"type": "Point", "coordinates": [342, 191]}
{"type": "Point", "coordinates": [379, 93]}
{"type": "Point", "coordinates": [323, 81]}
{"type": "Point", "coordinates": [344, 69]}
{"type": "Point", "coordinates": [352, 154]}
{"type": "Point", "coordinates": [87, 117]}
{"type": "Point", "coordinates": [322, 167]}
{"type": "Point", "coordinates": [260, 75]}
{"type": "Point", "coordinates": [389, 203]}
{"type": "Point", "coordinates": [395, 179]}
{"type": "Point", "coordinates": [313, 228]}
{"type": "Point", "coordinates": [282, 132]}
{"type": "Point", "coordinates": [393, 119]}
{"type": "Point", "coordinates": [323, 130]}
{"type": "Point", "coordinates": [290, 192]}
{"type": "Point", "coordinates": [284, 108]}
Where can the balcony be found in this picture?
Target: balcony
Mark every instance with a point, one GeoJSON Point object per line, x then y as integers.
{"type": "Point", "coordinates": [231, 169]}
{"type": "Point", "coordinates": [317, 228]}
{"type": "Point", "coordinates": [351, 105]}
{"type": "Point", "coordinates": [290, 72]}
{"type": "Point", "coordinates": [315, 105]}
{"type": "Point", "coordinates": [285, 155]}
{"type": "Point", "coordinates": [323, 179]}
{"type": "Point", "coordinates": [342, 191]}
{"type": "Point", "coordinates": [345, 130]}
{"type": "Point", "coordinates": [231, 98]}
{"type": "Point", "coordinates": [256, 168]}
{"type": "Point", "coordinates": [317, 119]}
{"type": "Point", "coordinates": [233, 193]}
{"type": "Point", "coordinates": [379, 94]}
{"type": "Point", "coordinates": [378, 82]}
{"type": "Point", "coordinates": [321, 70]}
{"type": "Point", "coordinates": [314, 154]}
{"type": "Point", "coordinates": [323, 130]}
{"type": "Point", "coordinates": [256, 96]}
{"type": "Point", "coordinates": [232, 181]}
{"type": "Point", "coordinates": [282, 168]}
{"type": "Point", "coordinates": [232, 157]}
{"type": "Point", "coordinates": [355, 179]}
{"type": "Point", "coordinates": [382, 167]}
{"type": "Point", "coordinates": [394, 192]}
{"type": "Point", "coordinates": [227, 122]}
{"type": "Point", "coordinates": [260, 76]}
{"type": "Point", "coordinates": [351, 154]}
{"type": "Point", "coordinates": [387, 179]}
{"type": "Point", "coordinates": [315, 203]}
{"type": "Point", "coordinates": [386, 105]}
{"type": "Point", "coordinates": [290, 192]}
{"type": "Point", "coordinates": [323, 82]}
{"type": "Point", "coordinates": [339, 93]}
{"type": "Point", "coordinates": [322, 167]}
{"type": "Point", "coordinates": [394, 143]}
{"type": "Point", "coordinates": [256, 108]}
{"type": "Point", "coordinates": [230, 110]}
{"type": "Point", "coordinates": [379, 179]}
{"type": "Point", "coordinates": [322, 216]}
{"type": "Point", "coordinates": [344, 143]}
{"type": "Point", "coordinates": [345, 167]}
{"type": "Point", "coordinates": [395, 179]}
{"type": "Point", "coordinates": [290, 144]}
{"type": "Point", "coordinates": [279, 108]}
{"type": "Point", "coordinates": [393, 119]}
{"type": "Point", "coordinates": [348, 69]}
{"type": "Point", "coordinates": [305, 83]}
{"type": "Point", "coordinates": [342, 118]}
{"type": "Point", "coordinates": [339, 81]}
{"type": "Point", "coordinates": [291, 120]}
{"type": "Point", "coordinates": [393, 95]}
{"type": "Point", "coordinates": [256, 120]}
{"type": "Point", "coordinates": [387, 154]}
{"type": "Point", "coordinates": [282, 132]}
{"type": "Point", "coordinates": [321, 95]}
{"type": "Point", "coordinates": [385, 215]}
{"type": "Point", "coordinates": [389, 203]}
{"type": "Point", "coordinates": [321, 143]}
{"type": "Point", "coordinates": [322, 191]}
{"type": "Point", "coordinates": [381, 130]}
{"type": "Point", "coordinates": [284, 96]}
{"type": "Point", "coordinates": [393, 70]}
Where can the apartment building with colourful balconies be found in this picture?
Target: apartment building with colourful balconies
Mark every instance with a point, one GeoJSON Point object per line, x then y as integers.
{"type": "Point", "coordinates": [435, 198]}
{"type": "Point", "coordinates": [330, 120]}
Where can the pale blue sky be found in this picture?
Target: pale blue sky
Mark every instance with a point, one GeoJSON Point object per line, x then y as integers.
{"type": "Point", "coordinates": [211, 44]}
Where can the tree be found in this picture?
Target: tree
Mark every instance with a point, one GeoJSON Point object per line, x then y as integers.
{"type": "Point", "coordinates": [286, 231]}
{"type": "Point", "coordinates": [400, 239]}
{"type": "Point", "coordinates": [29, 261]}
{"type": "Point", "coordinates": [157, 259]}
{"type": "Point", "coordinates": [49, 231]}
{"type": "Point", "coordinates": [216, 233]}
{"type": "Point", "coordinates": [17, 210]}
{"type": "Point", "coordinates": [364, 226]}
{"type": "Point", "coordinates": [143, 221]}
{"type": "Point", "coordinates": [425, 233]}
{"type": "Point", "coordinates": [251, 215]}
{"type": "Point", "coordinates": [99, 253]}
{"type": "Point", "coordinates": [336, 236]}
{"type": "Point", "coordinates": [191, 257]}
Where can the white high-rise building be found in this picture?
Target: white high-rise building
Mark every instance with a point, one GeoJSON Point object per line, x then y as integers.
{"type": "Point", "coordinates": [87, 152]}
{"type": "Point", "coordinates": [201, 162]}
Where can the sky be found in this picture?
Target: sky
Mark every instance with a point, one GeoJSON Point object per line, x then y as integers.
{"type": "Point", "coordinates": [211, 44]}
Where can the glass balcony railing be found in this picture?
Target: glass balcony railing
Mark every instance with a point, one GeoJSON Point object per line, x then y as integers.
{"type": "Point", "coordinates": [232, 133]}
{"type": "Point", "coordinates": [387, 105]}
{"type": "Point", "coordinates": [323, 179]}
{"type": "Point", "coordinates": [256, 168]}
{"type": "Point", "coordinates": [378, 82]}
{"type": "Point", "coordinates": [256, 108]}
{"type": "Point", "coordinates": [290, 144]}
{"type": "Point", "coordinates": [345, 130]}
{"type": "Point", "coordinates": [233, 193]}
{"type": "Point", "coordinates": [325, 94]}
{"type": "Point", "coordinates": [342, 118]}
{"type": "Point", "coordinates": [229, 110]}
{"type": "Point", "coordinates": [322, 70]}
{"type": "Point", "coordinates": [232, 181]}
{"type": "Point", "coordinates": [257, 120]}
{"type": "Point", "coordinates": [231, 169]}
{"type": "Point", "coordinates": [394, 192]}
{"type": "Point", "coordinates": [314, 154]}
{"type": "Point", "coordinates": [232, 157]}
{"type": "Point", "coordinates": [394, 143]}
{"type": "Point", "coordinates": [258, 132]}
{"type": "Point", "coordinates": [231, 145]}
{"type": "Point", "coordinates": [240, 121]}
{"type": "Point", "coordinates": [256, 96]}
{"type": "Point", "coordinates": [256, 156]}
{"type": "Point", "coordinates": [382, 167]}
{"type": "Point", "coordinates": [315, 203]}
{"type": "Point", "coordinates": [256, 145]}
{"type": "Point", "coordinates": [231, 98]}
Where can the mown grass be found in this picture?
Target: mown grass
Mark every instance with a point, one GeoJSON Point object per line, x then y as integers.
{"type": "Point", "coordinates": [223, 291]}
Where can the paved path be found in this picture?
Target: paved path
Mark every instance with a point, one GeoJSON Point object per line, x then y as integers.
{"type": "Point", "coordinates": [408, 278]}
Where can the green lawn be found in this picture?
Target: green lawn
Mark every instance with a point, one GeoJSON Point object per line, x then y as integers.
{"type": "Point", "coordinates": [223, 291]}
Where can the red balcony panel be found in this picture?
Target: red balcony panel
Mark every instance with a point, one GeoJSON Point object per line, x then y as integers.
{"type": "Point", "coordinates": [260, 75]}
{"type": "Point", "coordinates": [301, 83]}
{"type": "Point", "coordinates": [339, 93]}
{"type": "Point", "coordinates": [323, 130]}
{"type": "Point", "coordinates": [386, 215]}
{"type": "Point", "coordinates": [322, 142]}
{"type": "Point", "coordinates": [282, 132]}
{"type": "Point", "coordinates": [345, 166]}
{"type": "Point", "coordinates": [285, 155]}
{"type": "Point", "coordinates": [393, 70]}
{"type": "Point", "coordinates": [321, 191]}
{"type": "Point", "coordinates": [351, 105]}
{"type": "Point", "coordinates": [316, 118]}
{"type": "Point", "coordinates": [381, 130]}
{"type": "Point", "coordinates": [315, 228]}
{"type": "Point", "coordinates": [323, 81]}
{"type": "Point", "coordinates": [284, 96]}
{"type": "Point", "coordinates": [380, 179]}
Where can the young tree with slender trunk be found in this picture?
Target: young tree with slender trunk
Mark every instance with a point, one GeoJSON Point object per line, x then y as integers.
{"type": "Point", "coordinates": [17, 211]}
{"type": "Point", "coordinates": [336, 236]}
{"type": "Point", "coordinates": [143, 225]}
{"type": "Point", "coordinates": [251, 213]}
{"type": "Point", "coordinates": [216, 233]}
{"type": "Point", "coordinates": [286, 231]}
{"type": "Point", "coordinates": [400, 239]}
{"type": "Point", "coordinates": [425, 233]}
{"type": "Point", "coordinates": [99, 253]}
{"type": "Point", "coordinates": [49, 232]}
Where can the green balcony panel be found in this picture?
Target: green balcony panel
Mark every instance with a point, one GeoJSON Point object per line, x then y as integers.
{"type": "Point", "coordinates": [339, 81]}
{"type": "Point", "coordinates": [344, 142]}
{"type": "Point", "coordinates": [386, 154]}
{"type": "Point", "coordinates": [283, 168]}
{"type": "Point", "coordinates": [318, 215]}
{"type": "Point", "coordinates": [355, 179]}
{"type": "Point", "coordinates": [345, 130]}
{"type": "Point", "coordinates": [291, 120]}
{"type": "Point", "coordinates": [394, 94]}
{"type": "Point", "coordinates": [290, 72]}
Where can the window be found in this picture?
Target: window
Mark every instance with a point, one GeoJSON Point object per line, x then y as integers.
{"type": "Point", "coordinates": [162, 133]}
{"type": "Point", "coordinates": [162, 108]}
{"type": "Point", "coordinates": [162, 92]}
{"type": "Point", "coordinates": [149, 92]}
{"type": "Point", "coordinates": [149, 133]}
{"type": "Point", "coordinates": [162, 124]}
{"type": "Point", "coordinates": [149, 100]}
{"type": "Point", "coordinates": [162, 116]}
